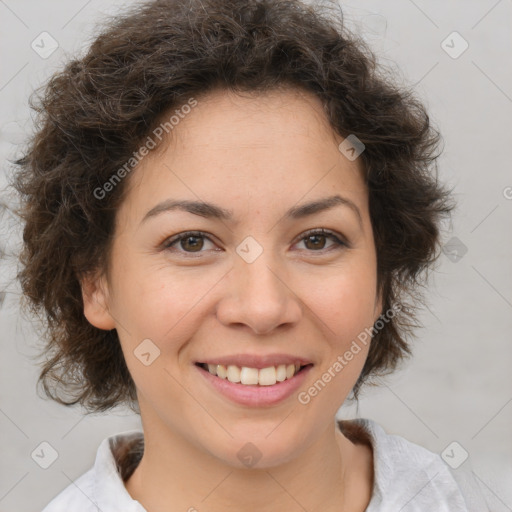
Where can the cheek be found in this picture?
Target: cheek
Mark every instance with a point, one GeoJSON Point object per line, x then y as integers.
{"type": "Point", "coordinates": [159, 311]}
{"type": "Point", "coordinates": [347, 307]}
{"type": "Point", "coordinates": [345, 303]}
{"type": "Point", "coordinates": [161, 304]}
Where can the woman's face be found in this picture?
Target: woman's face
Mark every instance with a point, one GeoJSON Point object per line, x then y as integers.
{"type": "Point", "coordinates": [249, 288]}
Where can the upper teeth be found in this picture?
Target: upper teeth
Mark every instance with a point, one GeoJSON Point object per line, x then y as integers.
{"type": "Point", "coordinates": [254, 376]}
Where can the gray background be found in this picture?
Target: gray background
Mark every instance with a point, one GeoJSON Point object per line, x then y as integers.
{"type": "Point", "coordinates": [458, 385]}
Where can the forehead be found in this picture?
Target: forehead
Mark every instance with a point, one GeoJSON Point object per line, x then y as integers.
{"type": "Point", "coordinates": [278, 142]}
{"type": "Point", "coordinates": [252, 119]}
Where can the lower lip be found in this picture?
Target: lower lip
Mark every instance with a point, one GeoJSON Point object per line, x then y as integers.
{"type": "Point", "coordinates": [255, 396]}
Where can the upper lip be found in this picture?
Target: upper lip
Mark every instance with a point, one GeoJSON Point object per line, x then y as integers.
{"type": "Point", "coordinates": [256, 361]}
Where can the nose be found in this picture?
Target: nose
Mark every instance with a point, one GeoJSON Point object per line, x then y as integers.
{"type": "Point", "coordinates": [258, 295]}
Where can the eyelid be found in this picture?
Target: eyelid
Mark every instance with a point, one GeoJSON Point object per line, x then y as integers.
{"type": "Point", "coordinates": [323, 231]}
{"type": "Point", "coordinates": [185, 234]}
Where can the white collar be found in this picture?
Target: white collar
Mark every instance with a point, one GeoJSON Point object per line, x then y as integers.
{"type": "Point", "coordinates": [408, 477]}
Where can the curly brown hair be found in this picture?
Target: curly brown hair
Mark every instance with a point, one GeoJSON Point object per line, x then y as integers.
{"type": "Point", "coordinates": [96, 112]}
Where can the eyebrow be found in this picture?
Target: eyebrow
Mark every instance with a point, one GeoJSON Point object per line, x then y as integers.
{"type": "Point", "coordinates": [212, 211]}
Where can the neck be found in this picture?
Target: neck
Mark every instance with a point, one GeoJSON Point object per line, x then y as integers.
{"type": "Point", "coordinates": [332, 474]}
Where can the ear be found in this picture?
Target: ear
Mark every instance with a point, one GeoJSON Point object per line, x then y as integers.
{"type": "Point", "coordinates": [96, 301]}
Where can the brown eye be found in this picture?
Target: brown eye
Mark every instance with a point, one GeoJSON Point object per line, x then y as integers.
{"type": "Point", "coordinates": [315, 241]}
{"type": "Point", "coordinates": [192, 243]}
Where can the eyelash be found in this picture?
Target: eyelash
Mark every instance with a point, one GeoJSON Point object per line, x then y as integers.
{"type": "Point", "coordinates": [168, 243]}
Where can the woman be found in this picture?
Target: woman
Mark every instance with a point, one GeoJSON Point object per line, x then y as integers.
{"type": "Point", "coordinates": [226, 206]}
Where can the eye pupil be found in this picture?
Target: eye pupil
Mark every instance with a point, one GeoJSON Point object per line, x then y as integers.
{"type": "Point", "coordinates": [195, 245]}
{"type": "Point", "coordinates": [316, 239]}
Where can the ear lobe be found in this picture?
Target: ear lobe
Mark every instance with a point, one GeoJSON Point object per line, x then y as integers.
{"type": "Point", "coordinates": [95, 299]}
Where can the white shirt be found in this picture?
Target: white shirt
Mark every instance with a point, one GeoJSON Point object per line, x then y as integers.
{"type": "Point", "coordinates": [408, 478]}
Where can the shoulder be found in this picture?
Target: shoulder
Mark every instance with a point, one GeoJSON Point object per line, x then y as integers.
{"type": "Point", "coordinates": [77, 496]}
{"type": "Point", "coordinates": [407, 476]}
{"type": "Point", "coordinates": [102, 487]}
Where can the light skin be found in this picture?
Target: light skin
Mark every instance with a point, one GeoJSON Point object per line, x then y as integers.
{"type": "Point", "coordinates": [257, 155]}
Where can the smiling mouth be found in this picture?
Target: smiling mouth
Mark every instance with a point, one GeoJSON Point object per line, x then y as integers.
{"type": "Point", "coordinates": [254, 376]}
